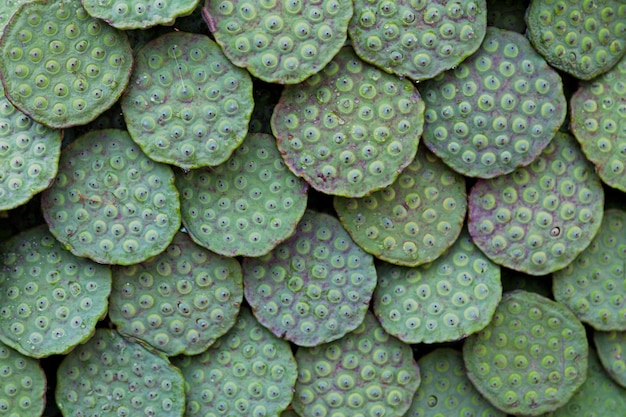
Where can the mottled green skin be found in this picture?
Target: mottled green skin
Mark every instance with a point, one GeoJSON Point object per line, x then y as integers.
{"type": "Point", "coordinates": [23, 383]}
{"type": "Point", "coordinates": [247, 372]}
{"type": "Point", "coordinates": [531, 358]}
{"type": "Point", "coordinates": [109, 376]}
{"type": "Point", "coordinates": [51, 299]}
{"type": "Point", "coordinates": [7, 9]}
{"type": "Point", "coordinates": [365, 373]}
{"type": "Point", "coordinates": [611, 346]}
{"type": "Point", "coordinates": [583, 38]}
{"type": "Point", "coordinates": [124, 14]}
{"type": "Point", "coordinates": [63, 67]}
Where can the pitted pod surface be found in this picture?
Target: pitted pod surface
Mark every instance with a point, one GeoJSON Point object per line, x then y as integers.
{"type": "Point", "coordinates": [611, 348]}
{"type": "Point", "coordinates": [142, 14]}
{"type": "Point", "coordinates": [23, 383]}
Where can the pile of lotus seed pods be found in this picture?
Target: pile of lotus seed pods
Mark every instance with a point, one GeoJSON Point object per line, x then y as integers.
{"type": "Point", "coordinates": [312, 208]}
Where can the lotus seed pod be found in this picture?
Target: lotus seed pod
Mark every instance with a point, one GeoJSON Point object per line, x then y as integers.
{"type": "Point", "coordinates": [7, 8]}
{"type": "Point", "coordinates": [279, 41]}
{"type": "Point", "coordinates": [110, 376]}
{"type": "Point", "coordinates": [580, 37]}
{"type": "Point", "coordinates": [445, 389]}
{"type": "Point", "coordinates": [187, 105]}
{"type": "Point", "coordinates": [315, 286]}
{"type": "Point", "coordinates": [497, 110]}
{"type": "Point", "coordinates": [29, 155]}
{"type": "Point", "coordinates": [445, 300]}
{"type": "Point", "coordinates": [245, 206]}
{"type": "Point", "coordinates": [592, 285]}
{"type": "Point", "coordinates": [599, 395]}
{"type": "Point", "coordinates": [52, 299]}
{"type": "Point", "coordinates": [247, 372]}
{"type": "Point", "coordinates": [123, 14]}
{"type": "Point", "coordinates": [507, 14]}
{"type": "Point", "coordinates": [412, 221]}
{"type": "Point", "coordinates": [598, 122]}
{"type": "Point", "coordinates": [611, 346]}
{"type": "Point", "coordinates": [417, 39]}
{"type": "Point", "coordinates": [365, 373]}
{"type": "Point", "coordinates": [110, 202]}
{"type": "Point", "coordinates": [23, 383]}
{"type": "Point", "coordinates": [351, 129]}
{"type": "Point", "coordinates": [531, 358]}
{"type": "Point", "coordinates": [64, 67]}
{"type": "Point", "coordinates": [538, 218]}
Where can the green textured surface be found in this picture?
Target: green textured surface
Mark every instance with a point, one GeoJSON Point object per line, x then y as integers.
{"type": "Point", "coordinates": [179, 301]}
{"type": "Point", "coordinates": [445, 300]}
{"type": "Point", "coordinates": [187, 105]}
{"type": "Point", "coordinates": [7, 8]}
{"type": "Point", "coordinates": [445, 389]}
{"type": "Point", "coordinates": [351, 129]}
{"type": "Point", "coordinates": [531, 358]}
{"type": "Point", "coordinates": [126, 14]}
{"type": "Point", "coordinates": [279, 41]}
{"type": "Point", "coordinates": [247, 205]}
{"type": "Point", "coordinates": [365, 373]}
{"type": "Point", "coordinates": [497, 110]}
{"type": "Point", "coordinates": [110, 202]}
{"type": "Point", "coordinates": [598, 122]}
{"type": "Point", "coordinates": [592, 286]}
{"type": "Point", "coordinates": [412, 221]}
{"type": "Point", "coordinates": [537, 219]}
{"type": "Point", "coordinates": [315, 286]}
{"type": "Point", "coordinates": [63, 67]}
{"type": "Point", "coordinates": [611, 346]}
{"type": "Point", "coordinates": [110, 376]}
{"type": "Point", "coordinates": [247, 372]}
{"type": "Point", "coordinates": [581, 37]}
{"type": "Point", "coordinates": [51, 299]}
{"type": "Point", "coordinates": [23, 383]}
{"type": "Point", "coordinates": [418, 39]}
{"type": "Point", "coordinates": [507, 14]}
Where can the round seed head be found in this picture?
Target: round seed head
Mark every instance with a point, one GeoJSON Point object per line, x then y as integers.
{"type": "Point", "coordinates": [531, 358]}
{"type": "Point", "coordinates": [598, 110]}
{"type": "Point", "coordinates": [187, 105]}
{"type": "Point", "coordinates": [611, 346]}
{"type": "Point", "coordinates": [417, 39]}
{"type": "Point", "coordinates": [23, 383]}
{"type": "Point", "coordinates": [51, 299]}
{"type": "Point", "coordinates": [247, 372]}
{"type": "Point", "coordinates": [279, 41]}
{"type": "Point", "coordinates": [412, 221]}
{"type": "Point", "coordinates": [180, 301]}
{"type": "Point", "coordinates": [445, 389]}
{"type": "Point", "coordinates": [110, 202]}
{"type": "Point", "coordinates": [507, 14]}
{"type": "Point", "coordinates": [365, 373]}
{"type": "Point", "coordinates": [63, 67]}
{"type": "Point", "coordinates": [123, 14]}
{"type": "Point", "coordinates": [445, 300]}
{"type": "Point", "coordinates": [592, 285]}
{"type": "Point", "coordinates": [247, 205]}
{"type": "Point", "coordinates": [497, 110]}
{"type": "Point", "coordinates": [351, 129]}
{"type": "Point", "coordinates": [315, 286]}
{"type": "Point", "coordinates": [538, 218]}
{"type": "Point", "coordinates": [582, 38]}
{"type": "Point", "coordinates": [110, 376]}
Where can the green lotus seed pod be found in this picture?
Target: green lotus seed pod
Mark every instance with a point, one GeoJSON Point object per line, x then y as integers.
{"type": "Point", "coordinates": [497, 110]}
{"type": "Point", "coordinates": [110, 202]}
{"type": "Point", "coordinates": [611, 346]}
{"type": "Point", "coordinates": [23, 384]}
{"type": "Point", "coordinates": [507, 14]}
{"type": "Point", "coordinates": [247, 372]}
{"type": "Point", "coordinates": [412, 221]}
{"type": "Point", "coordinates": [365, 373]}
{"type": "Point", "coordinates": [110, 376]}
{"type": "Point", "coordinates": [279, 41]}
{"type": "Point", "coordinates": [63, 67]}
{"type": "Point", "coordinates": [7, 8]}
{"type": "Point", "coordinates": [187, 105]}
{"type": "Point", "coordinates": [52, 299]}
{"type": "Point", "coordinates": [581, 37]}
{"type": "Point", "coordinates": [531, 358]}
{"type": "Point", "coordinates": [350, 129]}
{"type": "Point", "coordinates": [417, 39]}
{"type": "Point", "coordinates": [445, 300]}
{"type": "Point", "coordinates": [315, 286]}
{"type": "Point", "coordinates": [123, 14]}
{"type": "Point", "coordinates": [538, 218]}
